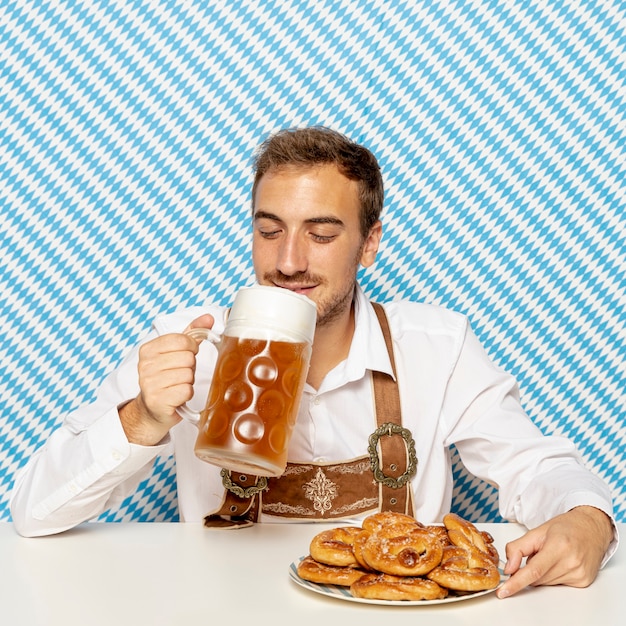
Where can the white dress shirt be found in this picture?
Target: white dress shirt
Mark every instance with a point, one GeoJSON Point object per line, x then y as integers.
{"type": "Point", "coordinates": [450, 392]}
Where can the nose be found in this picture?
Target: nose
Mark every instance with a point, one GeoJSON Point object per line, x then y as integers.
{"type": "Point", "coordinates": [292, 256]}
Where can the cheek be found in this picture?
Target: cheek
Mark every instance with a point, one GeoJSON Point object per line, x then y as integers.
{"type": "Point", "coordinates": [259, 251]}
{"type": "Point", "coordinates": [257, 257]}
{"type": "Point", "coordinates": [263, 257]}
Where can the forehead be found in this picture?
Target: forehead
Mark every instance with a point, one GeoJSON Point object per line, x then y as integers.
{"type": "Point", "coordinates": [319, 187]}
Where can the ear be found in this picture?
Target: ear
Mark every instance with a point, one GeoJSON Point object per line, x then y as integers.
{"type": "Point", "coordinates": [371, 243]}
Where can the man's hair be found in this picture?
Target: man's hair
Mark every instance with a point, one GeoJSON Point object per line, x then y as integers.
{"type": "Point", "coordinates": [317, 145]}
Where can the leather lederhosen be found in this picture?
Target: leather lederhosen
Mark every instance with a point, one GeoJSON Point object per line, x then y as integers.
{"type": "Point", "coordinates": [378, 481]}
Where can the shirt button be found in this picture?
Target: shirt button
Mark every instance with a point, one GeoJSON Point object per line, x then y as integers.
{"type": "Point", "coordinates": [316, 400]}
{"type": "Point", "coordinates": [116, 455]}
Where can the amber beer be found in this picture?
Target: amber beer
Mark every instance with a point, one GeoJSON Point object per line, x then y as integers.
{"type": "Point", "coordinates": [253, 404]}
{"type": "Point", "coordinates": [262, 364]}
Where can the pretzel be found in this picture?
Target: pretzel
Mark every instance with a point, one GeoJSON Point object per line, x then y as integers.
{"type": "Point", "coordinates": [440, 533]}
{"type": "Point", "coordinates": [401, 551]}
{"type": "Point", "coordinates": [334, 547]}
{"type": "Point", "coordinates": [357, 548]}
{"type": "Point", "coordinates": [388, 587]}
{"type": "Point", "coordinates": [315, 572]}
{"type": "Point", "coordinates": [376, 522]}
{"type": "Point", "coordinates": [465, 569]}
{"type": "Point", "coordinates": [385, 519]}
{"type": "Point", "coordinates": [394, 557]}
{"type": "Point", "coordinates": [465, 535]}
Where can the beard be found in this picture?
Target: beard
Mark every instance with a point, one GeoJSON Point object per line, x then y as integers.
{"type": "Point", "coordinates": [328, 309]}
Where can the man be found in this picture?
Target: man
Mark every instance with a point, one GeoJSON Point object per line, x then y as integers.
{"type": "Point", "coordinates": [317, 199]}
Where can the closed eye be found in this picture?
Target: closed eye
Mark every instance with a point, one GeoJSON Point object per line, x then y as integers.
{"type": "Point", "coordinates": [322, 238]}
{"type": "Point", "coordinates": [329, 228]}
{"type": "Point", "coordinates": [269, 234]}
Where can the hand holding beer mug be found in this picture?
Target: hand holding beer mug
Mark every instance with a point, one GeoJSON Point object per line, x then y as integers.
{"type": "Point", "coordinates": [262, 365]}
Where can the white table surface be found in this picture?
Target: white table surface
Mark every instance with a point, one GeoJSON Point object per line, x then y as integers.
{"type": "Point", "coordinates": [156, 574]}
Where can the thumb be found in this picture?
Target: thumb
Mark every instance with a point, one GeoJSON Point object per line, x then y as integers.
{"type": "Point", "coordinates": [201, 329]}
{"type": "Point", "coordinates": [204, 321]}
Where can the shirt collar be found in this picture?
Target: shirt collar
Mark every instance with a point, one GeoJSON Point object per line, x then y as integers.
{"type": "Point", "coordinates": [368, 350]}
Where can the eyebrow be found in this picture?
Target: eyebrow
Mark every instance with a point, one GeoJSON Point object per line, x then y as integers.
{"type": "Point", "coordinates": [323, 219]}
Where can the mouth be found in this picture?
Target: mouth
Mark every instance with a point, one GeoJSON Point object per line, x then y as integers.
{"type": "Point", "coordinates": [304, 290]}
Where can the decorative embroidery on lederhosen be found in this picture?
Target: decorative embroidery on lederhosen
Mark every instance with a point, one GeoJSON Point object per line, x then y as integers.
{"type": "Point", "coordinates": [317, 491]}
{"type": "Point", "coordinates": [322, 491]}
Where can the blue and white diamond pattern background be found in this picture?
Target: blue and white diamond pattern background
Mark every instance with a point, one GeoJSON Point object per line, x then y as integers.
{"type": "Point", "coordinates": [127, 131]}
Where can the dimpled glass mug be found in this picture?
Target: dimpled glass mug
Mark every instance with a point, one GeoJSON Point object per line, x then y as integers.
{"type": "Point", "coordinates": [262, 364]}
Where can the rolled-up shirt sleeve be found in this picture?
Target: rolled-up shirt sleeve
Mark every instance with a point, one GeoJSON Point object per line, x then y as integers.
{"type": "Point", "coordinates": [86, 466]}
{"type": "Point", "coordinates": [538, 476]}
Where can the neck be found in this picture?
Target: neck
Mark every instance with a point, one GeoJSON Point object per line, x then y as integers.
{"type": "Point", "coordinates": [331, 345]}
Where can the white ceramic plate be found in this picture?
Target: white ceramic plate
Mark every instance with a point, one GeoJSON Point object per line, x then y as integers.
{"type": "Point", "coordinates": [343, 593]}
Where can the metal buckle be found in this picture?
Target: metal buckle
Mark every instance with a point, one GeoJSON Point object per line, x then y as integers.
{"type": "Point", "coordinates": [392, 429]}
{"type": "Point", "coordinates": [260, 485]}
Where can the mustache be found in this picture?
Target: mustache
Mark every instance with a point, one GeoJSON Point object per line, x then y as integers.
{"type": "Point", "coordinates": [299, 278]}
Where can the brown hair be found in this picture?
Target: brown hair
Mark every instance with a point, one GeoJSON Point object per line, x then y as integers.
{"type": "Point", "coordinates": [315, 145]}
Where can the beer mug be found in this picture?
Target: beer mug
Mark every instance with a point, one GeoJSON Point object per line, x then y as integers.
{"type": "Point", "coordinates": [262, 364]}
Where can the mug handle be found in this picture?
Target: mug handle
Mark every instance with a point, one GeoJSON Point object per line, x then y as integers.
{"type": "Point", "coordinates": [199, 334]}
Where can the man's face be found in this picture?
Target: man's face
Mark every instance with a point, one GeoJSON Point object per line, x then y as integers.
{"type": "Point", "coordinates": [307, 236]}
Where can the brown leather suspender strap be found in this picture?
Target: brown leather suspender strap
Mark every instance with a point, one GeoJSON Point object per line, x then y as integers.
{"type": "Point", "coordinates": [391, 451]}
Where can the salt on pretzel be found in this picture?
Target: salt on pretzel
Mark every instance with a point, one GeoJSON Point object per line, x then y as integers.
{"type": "Point", "coordinates": [386, 519]}
{"type": "Point", "coordinates": [388, 587]}
{"type": "Point", "coordinates": [335, 546]}
{"type": "Point", "coordinates": [465, 535]}
{"type": "Point", "coordinates": [465, 569]}
{"type": "Point", "coordinates": [440, 532]}
{"type": "Point", "coordinates": [357, 548]}
{"type": "Point", "coordinates": [315, 572]}
{"type": "Point", "coordinates": [401, 551]}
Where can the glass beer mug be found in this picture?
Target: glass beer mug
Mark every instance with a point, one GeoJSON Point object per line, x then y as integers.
{"type": "Point", "coordinates": [262, 365]}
